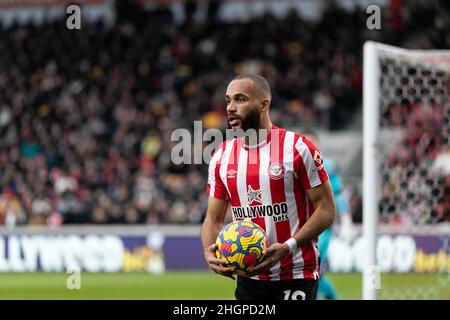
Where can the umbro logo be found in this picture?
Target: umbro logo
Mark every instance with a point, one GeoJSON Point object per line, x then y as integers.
{"type": "Point", "coordinates": [231, 174]}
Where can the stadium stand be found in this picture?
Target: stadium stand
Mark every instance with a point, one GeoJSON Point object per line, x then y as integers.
{"type": "Point", "coordinates": [86, 117]}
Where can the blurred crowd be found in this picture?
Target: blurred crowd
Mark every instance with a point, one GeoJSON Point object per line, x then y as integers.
{"type": "Point", "coordinates": [416, 171]}
{"type": "Point", "coordinates": [86, 116]}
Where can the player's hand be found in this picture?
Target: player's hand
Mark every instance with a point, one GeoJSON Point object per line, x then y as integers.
{"type": "Point", "coordinates": [219, 266]}
{"type": "Point", "coordinates": [271, 256]}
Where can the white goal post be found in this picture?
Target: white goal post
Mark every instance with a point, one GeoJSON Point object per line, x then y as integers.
{"type": "Point", "coordinates": [370, 181]}
{"type": "Point", "coordinates": [406, 90]}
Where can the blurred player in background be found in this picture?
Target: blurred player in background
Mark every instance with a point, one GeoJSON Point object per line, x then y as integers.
{"type": "Point", "coordinates": [346, 232]}
{"type": "Point", "coordinates": [280, 169]}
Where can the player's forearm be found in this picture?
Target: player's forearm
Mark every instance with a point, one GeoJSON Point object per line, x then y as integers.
{"type": "Point", "coordinates": [213, 221]}
{"type": "Point", "coordinates": [321, 220]}
{"type": "Point", "coordinates": [209, 231]}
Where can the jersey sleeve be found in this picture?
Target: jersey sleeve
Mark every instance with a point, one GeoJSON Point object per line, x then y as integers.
{"type": "Point", "coordinates": [215, 187]}
{"type": "Point", "coordinates": [308, 164]}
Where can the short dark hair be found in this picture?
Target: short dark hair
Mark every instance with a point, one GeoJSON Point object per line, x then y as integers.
{"type": "Point", "coordinates": [260, 82]}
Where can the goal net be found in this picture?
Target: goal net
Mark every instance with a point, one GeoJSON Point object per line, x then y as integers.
{"type": "Point", "coordinates": [406, 175]}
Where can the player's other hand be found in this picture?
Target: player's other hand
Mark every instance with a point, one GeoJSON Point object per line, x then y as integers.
{"type": "Point", "coordinates": [219, 266]}
{"type": "Point", "coordinates": [271, 256]}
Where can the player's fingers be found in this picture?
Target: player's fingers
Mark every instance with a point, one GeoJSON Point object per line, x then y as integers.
{"type": "Point", "coordinates": [264, 256]}
{"type": "Point", "coordinates": [225, 274]}
{"type": "Point", "coordinates": [231, 277]}
{"type": "Point", "coordinates": [221, 269]}
{"type": "Point", "coordinates": [263, 266]}
{"type": "Point", "coordinates": [228, 269]}
{"type": "Point", "coordinates": [255, 273]}
{"type": "Point", "coordinates": [212, 247]}
{"type": "Point", "coordinates": [271, 247]}
{"type": "Point", "coordinates": [213, 260]}
{"type": "Point", "coordinates": [228, 274]}
{"type": "Point", "coordinates": [267, 253]}
{"type": "Point", "coordinates": [270, 250]}
{"type": "Point", "coordinates": [267, 259]}
{"type": "Point", "coordinates": [265, 269]}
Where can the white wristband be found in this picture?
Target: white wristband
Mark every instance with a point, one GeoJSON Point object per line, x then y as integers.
{"type": "Point", "coordinates": [292, 244]}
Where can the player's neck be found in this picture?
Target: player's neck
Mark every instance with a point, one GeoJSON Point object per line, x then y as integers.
{"type": "Point", "coordinates": [261, 133]}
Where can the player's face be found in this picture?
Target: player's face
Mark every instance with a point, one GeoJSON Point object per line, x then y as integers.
{"type": "Point", "coordinates": [243, 105]}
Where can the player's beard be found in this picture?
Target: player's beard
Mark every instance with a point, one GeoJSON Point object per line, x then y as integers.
{"type": "Point", "coordinates": [250, 120]}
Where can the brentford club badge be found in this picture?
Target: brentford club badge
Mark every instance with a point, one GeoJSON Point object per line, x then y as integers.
{"type": "Point", "coordinates": [276, 170]}
{"type": "Point", "coordinates": [318, 160]}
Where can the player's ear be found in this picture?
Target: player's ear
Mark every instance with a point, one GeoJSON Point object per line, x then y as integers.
{"type": "Point", "coordinates": [265, 104]}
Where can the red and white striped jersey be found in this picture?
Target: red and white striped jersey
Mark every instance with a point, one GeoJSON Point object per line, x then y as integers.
{"type": "Point", "coordinates": [266, 184]}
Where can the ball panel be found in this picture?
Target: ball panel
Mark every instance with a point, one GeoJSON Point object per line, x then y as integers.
{"type": "Point", "coordinates": [241, 243]}
{"type": "Point", "coordinates": [219, 245]}
{"type": "Point", "coordinates": [250, 259]}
